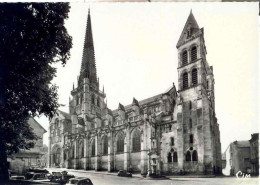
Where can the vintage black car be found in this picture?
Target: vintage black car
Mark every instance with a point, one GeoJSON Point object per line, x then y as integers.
{"type": "Point", "coordinates": [60, 177]}
{"type": "Point", "coordinates": [123, 173]}
{"type": "Point", "coordinates": [80, 181]}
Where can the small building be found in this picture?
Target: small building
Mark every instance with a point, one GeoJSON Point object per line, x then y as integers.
{"type": "Point", "coordinates": [237, 158]}
{"type": "Point", "coordinates": [254, 153]}
{"type": "Point", "coordinates": [26, 159]}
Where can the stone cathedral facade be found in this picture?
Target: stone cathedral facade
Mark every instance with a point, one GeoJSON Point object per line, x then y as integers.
{"type": "Point", "coordinates": [172, 132]}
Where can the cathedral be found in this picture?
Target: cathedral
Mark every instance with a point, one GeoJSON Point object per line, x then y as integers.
{"type": "Point", "coordinates": [170, 133]}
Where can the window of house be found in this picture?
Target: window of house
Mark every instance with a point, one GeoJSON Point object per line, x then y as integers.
{"type": "Point", "coordinates": [136, 141]}
{"type": "Point", "coordinates": [190, 105]}
{"type": "Point", "coordinates": [193, 53]}
{"type": "Point", "coordinates": [184, 57]}
{"type": "Point", "coordinates": [120, 142]}
{"type": "Point", "coordinates": [190, 123]}
{"type": "Point", "coordinates": [194, 74]}
{"type": "Point", "coordinates": [185, 80]}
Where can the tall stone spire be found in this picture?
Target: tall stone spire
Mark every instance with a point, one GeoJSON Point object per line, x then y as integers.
{"type": "Point", "coordinates": [88, 64]}
{"type": "Point", "coordinates": [191, 27]}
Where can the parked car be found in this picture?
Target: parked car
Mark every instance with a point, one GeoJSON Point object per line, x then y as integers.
{"type": "Point", "coordinates": [36, 176]}
{"type": "Point", "coordinates": [60, 177]}
{"type": "Point", "coordinates": [79, 181]}
{"type": "Point", "coordinates": [38, 170]}
{"type": "Point", "coordinates": [123, 173]}
{"type": "Point", "coordinates": [17, 177]}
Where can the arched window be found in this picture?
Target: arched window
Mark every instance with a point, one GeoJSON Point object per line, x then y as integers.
{"type": "Point", "coordinates": [185, 80]}
{"type": "Point", "coordinates": [105, 145]}
{"type": "Point", "coordinates": [194, 76]}
{"type": "Point", "coordinates": [93, 148]}
{"type": "Point", "coordinates": [81, 149]}
{"type": "Point", "coordinates": [169, 157]}
{"type": "Point", "coordinates": [93, 99]}
{"type": "Point", "coordinates": [120, 142]}
{"type": "Point", "coordinates": [98, 102]}
{"type": "Point", "coordinates": [81, 98]}
{"type": "Point", "coordinates": [175, 157]}
{"type": "Point", "coordinates": [191, 138]}
{"type": "Point", "coordinates": [57, 156]}
{"type": "Point", "coordinates": [194, 156]}
{"type": "Point", "coordinates": [73, 152]}
{"type": "Point", "coordinates": [92, 125]}
{"type": "Point", "coordinates": [188, 156]}
{"type": "Point", "coordinates": [172, 141]}
{"type": "Point", "coordinates": [136, 141]}
{"type": "Point", "coordinates": [184, 57]}
{"type": "Point", "coordinates": [193, 53]}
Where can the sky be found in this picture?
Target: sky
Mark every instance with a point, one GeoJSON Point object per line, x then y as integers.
{"type": "Point", "coordinates": [136, 56]}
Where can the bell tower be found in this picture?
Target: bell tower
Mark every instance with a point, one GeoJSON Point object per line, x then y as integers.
{"type": "Point", "coordinates": [197, 124]}
{"type": "Point", "coordinates": [88, 101]}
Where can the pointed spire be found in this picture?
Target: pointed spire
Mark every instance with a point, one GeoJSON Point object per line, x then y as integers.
{"type": "Point", "coordinates": [88, 64]}
{"type": "Point", "coordinates": [73, 86]}
{"type": "Point", "coordinates": [103, 89]}
{"type": "Point", "coordinates": [135, 102]}
{"type": "Point", "coordinates": [189, 29]}
{"type": "Point", "coordinates": [121, 107]}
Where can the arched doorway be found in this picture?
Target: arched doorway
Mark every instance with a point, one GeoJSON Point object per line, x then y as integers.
{"type": "Point", "coordinates": [56, 153]}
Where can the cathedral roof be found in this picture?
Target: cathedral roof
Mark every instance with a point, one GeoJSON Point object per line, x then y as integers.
{"type": "Point", "coordinates": [65, 114]}
{"type": "Point", "coordinates": [190, 25]}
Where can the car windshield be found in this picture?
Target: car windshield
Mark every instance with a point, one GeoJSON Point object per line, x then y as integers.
{"type": "Point", "coordinates": [74, 181]}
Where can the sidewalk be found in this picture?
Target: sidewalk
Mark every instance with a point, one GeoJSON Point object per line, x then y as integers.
{"type": "Point", "coordinates": [92, 171]}
{"type": "Point", "coordinates": [133, 175]}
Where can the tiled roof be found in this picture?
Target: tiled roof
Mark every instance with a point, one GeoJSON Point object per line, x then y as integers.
{"type": "Point", "coordinates": [242, 143]}
{"type": "Point", "coordinates": [65, 114]}
{"type": "Point", "coordinates": [32, 121]}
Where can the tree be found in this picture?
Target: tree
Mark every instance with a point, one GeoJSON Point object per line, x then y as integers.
{"type": "Point", "coordinates": [32, 38]}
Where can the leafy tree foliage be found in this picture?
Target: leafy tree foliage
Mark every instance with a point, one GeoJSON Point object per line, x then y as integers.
{"type": "Point", "coordinates": [32, 38]}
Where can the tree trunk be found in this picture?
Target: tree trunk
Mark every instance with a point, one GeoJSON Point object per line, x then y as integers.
{"type": "Point", "coordinates": [4, 176]}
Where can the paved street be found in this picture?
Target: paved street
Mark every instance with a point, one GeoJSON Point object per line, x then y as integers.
{"type": "Point", "coordinates": [103, 179]}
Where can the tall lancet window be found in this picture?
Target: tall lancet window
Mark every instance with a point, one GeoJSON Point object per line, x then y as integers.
{"type": "Point", "coordinates": [120, 142]}
{"type": "Point", "coordinates": [193, 53]}
{"type": "Point", "coordinates": [195, 76]}
{"type": "Point", "coordinates": [105, 145]}
{"type": "Point", "coordinates": [185, 80]}
{"type": "Point", "coordinates": [184, 57]}
{"type": "Point", "coordinates": [136, 141]}
{"type": "Point", "coordinates": [93, 148]}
